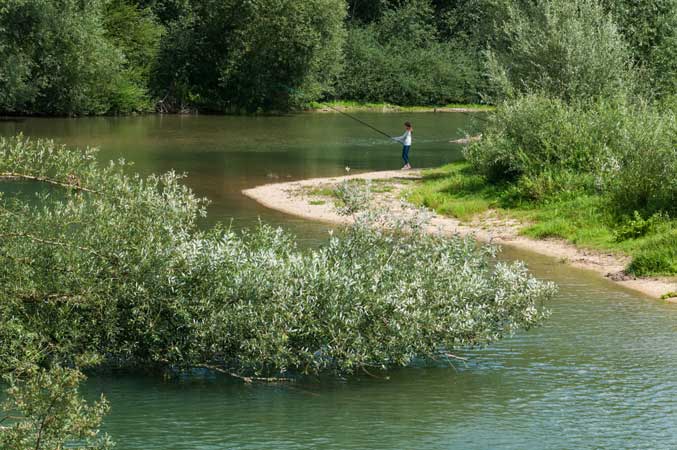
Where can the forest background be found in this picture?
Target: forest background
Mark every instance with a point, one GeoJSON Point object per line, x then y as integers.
{"type": "Point", "coordinates": [74, 57]}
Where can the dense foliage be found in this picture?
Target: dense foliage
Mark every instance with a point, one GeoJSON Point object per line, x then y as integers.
{"type": "Point", "coordinates": [569, 49]}
{"type": "Point", "coordinates": [104, 268]}
{"type": "Point", "coordinates": [399, 58]}
{"type": "Point", "coordinates": [650, 29]}
{"type": "Point", "coordinates": [55, 58]}
{"type": "Point", "coordinates": [627, 152]}
{"type": "Point", "coordinates": [119, 56]}
{"type": "Point", "coordinates": [270, 54]}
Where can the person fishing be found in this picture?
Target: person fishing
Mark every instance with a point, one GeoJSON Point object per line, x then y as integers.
{"type": "Point", "coordinates": [405, 140]}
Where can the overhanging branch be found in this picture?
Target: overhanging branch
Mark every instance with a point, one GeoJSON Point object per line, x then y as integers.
{"type": "Point", "coordinates": [70, 185]}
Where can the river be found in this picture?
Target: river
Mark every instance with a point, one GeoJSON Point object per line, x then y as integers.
{"type": "Point", "coordinates": [600, 373]}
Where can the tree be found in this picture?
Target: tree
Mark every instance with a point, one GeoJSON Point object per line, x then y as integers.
{"type": "Point", "coordinates": [650, 28]}
{"type": "Point", "coordinates": [399, 58]}
{"type": "Point", "coordinates": [167, 11]}
{"type": "Point", "coordinates": [136, 34]}
{"type": "Point", "coordinates": [55, 58]}
{"type": "Point", "coordinates": [566, 49]}
{"type": "Point", "coordinates": [270, 54]}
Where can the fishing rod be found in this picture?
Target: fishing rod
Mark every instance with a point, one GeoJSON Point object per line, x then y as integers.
{"type": "Point", "coordinates": [358, 120]}
{"type": "Point", "coordinates": [473, 115]}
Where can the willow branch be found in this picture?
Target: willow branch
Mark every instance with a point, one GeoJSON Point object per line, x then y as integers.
{"type": "Point", "coordinates": [22, 176]}
{"type": "Point", "coordinates": [55, 243]}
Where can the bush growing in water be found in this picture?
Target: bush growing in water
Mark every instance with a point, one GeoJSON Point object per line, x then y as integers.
{"type": "Point", "coordinates": [54, 415]}
{"type": "Point", "coordinates": [114, 270]}
{"type": "Point", "coordinates": [123, 272]}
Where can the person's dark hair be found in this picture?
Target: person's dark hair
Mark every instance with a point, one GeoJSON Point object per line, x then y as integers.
{"type": "Point", "coordinates": [407, 124]}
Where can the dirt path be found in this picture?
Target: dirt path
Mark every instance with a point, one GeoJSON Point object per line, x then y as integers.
{"type": "Point", "coordinates": [309, 199]}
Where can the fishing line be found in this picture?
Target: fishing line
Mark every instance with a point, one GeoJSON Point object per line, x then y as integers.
{"type": "Point", "coordinates": [292, 90]}
{"type": "Point", "coordinates": [358, 120]}
{"type": "Point", "coordinates": [474, 115]}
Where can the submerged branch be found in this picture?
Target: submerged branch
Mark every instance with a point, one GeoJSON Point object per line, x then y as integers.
{"type": "Point", "coordinates": [449, 355]}
{"type": "Point", "coordinates": [364, 369]}
{"type": "Point", "coordinates": [245, 378]}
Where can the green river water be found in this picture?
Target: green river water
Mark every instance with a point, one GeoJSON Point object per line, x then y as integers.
{"type": "Point", "coordinates": [600, 373]}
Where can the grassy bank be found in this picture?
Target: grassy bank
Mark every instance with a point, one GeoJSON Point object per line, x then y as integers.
{"type": "Point", "coordinates": [353, 106]}
{"type": "Point", "coordinates": [584, 220]}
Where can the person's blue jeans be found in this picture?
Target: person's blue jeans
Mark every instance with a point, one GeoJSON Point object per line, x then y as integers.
{"type": "Point", "coordinates": [405, 153]}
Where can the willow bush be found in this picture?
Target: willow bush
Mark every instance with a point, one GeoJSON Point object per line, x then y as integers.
{"type": "Point", "coordinates": [115, 266]}
{"type": "Point", "coordinates": [99, 268]}
{"type": "Point", "coordinates": [47, 412]}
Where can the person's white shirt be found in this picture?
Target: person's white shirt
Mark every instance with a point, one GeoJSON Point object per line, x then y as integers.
{"type": "Point", "coordinates": [405, 139]}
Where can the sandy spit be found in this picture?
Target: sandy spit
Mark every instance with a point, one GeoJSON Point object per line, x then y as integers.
{"type": "Point", "coordinates": [296, 198]}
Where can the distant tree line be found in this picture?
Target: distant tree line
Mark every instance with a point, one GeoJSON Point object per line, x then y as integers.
{"type": "Point", "coordinates": [73, 57]}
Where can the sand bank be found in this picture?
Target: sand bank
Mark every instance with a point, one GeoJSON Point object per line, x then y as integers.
{"type": "Point", "coordinates": [304, 199]}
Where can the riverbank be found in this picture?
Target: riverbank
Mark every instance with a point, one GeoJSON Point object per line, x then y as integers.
{"type": "Point", "coordinates": [312, 199]}
{"type": "Point", "coordinates": [350, 106]}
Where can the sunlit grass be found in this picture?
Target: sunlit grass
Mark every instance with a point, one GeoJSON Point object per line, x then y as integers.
{"type": "Point", "coordinates": [584, 220]}
{"type": "Point", "coordinates": [453, 191]}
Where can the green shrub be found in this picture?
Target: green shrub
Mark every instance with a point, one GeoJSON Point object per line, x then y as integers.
{"type": "Point", "coordinates": [532, 135]}
{"type": "Point", "coordinates": [570, 49]}
{"type": "Point", "coordinates": [121, 271]}
{"type": "Point", "coordinates": [639, 172]}
{"type": "Point", "coordinates": [548, 185]}
{"type": "Point", "coordinates": [637, 226]}
{"type": "Point", "coordinates": [550, 148]}
{"type": "Point", "coordinates": [45, 411]}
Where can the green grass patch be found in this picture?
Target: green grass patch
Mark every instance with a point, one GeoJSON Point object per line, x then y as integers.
{"type": "Point", "coordinates": [453, 190]}
{"type": "Point", "coordinates": [317, 202]}
{"type": "Point", "coordinates": [582, 219]}
{"type": "Point", "coordinates": [657, 255]}
{"type": "Point", "coordinates": [322, 191]}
